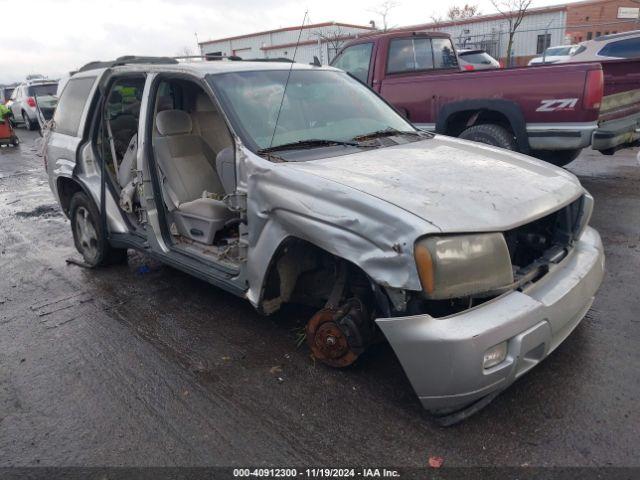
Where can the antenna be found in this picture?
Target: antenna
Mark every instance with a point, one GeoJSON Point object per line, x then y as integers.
{"type": "Point", "coordinates": [284, 92]}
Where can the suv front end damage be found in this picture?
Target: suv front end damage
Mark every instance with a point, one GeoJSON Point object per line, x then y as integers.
{"type": "Point", "coordinates": [457, 359]}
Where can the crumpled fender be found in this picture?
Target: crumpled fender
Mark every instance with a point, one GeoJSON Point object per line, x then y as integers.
{"type": "Point", "coordinates": [283, 202]}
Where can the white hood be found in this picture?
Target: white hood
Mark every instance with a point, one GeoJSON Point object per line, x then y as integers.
{"type": "Point", "coordinates": [456, 185]}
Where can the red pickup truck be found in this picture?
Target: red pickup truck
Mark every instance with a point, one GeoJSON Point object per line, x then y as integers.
{"type": "Point", "coordinates": [548, 111]}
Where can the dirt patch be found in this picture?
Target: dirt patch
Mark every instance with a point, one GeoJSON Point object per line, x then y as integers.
{"type": "Point", "coordinates": [44, 211]}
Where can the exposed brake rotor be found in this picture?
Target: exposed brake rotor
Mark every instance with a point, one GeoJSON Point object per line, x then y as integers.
{"type": "Point", "coordinates": [335, 336]}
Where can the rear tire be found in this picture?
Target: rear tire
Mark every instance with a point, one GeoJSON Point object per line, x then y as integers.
{"type": "Point", "coordinates": [88, 236]}
{"type": "Point", "coordinates": [28, 124]}
{"type": "Point", "coordinates": [559, 158]}
{"type": "Point", "coordinates": [490, 134]}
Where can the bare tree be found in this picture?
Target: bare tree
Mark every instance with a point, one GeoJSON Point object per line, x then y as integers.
{"type": "Point", "coordinates": [334, 39]}
{"type": "Point", "coordinates": [513, 12]}
{"type": "Point", "coordinates": [461, 13]}
{"type": "Point", "coordinates": [383, 10]}
{"type": "Point", "coordinates": [185, 52]}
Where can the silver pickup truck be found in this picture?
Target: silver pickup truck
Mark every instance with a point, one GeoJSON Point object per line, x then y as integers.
{"type": "Point", "coordinates": [283, 183]}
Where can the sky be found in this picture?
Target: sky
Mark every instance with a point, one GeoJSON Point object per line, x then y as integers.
{"type": "Point", "coordinates": [52, 37]}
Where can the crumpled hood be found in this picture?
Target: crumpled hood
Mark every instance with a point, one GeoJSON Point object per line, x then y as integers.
{"type": "Point", "coordinates": [456, 185]}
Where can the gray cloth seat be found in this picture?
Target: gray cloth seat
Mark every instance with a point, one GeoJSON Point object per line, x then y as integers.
{"type": "Point", "coordinates": [209, 124]}
{"type": "Point", "coordinates": [191, 186]}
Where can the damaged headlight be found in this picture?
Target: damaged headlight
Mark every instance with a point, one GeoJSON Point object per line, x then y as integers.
{"type": "Point", "coordinates": [453, 266]}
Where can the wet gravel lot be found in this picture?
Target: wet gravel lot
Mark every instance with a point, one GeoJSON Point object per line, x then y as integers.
{"type": "Point", "coordinates": [143, 365]}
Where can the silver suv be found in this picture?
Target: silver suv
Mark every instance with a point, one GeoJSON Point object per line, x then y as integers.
{"type": "Point", "coordinates": [24, 97]}
{"type": "Point", "coordinates": [284, 183]}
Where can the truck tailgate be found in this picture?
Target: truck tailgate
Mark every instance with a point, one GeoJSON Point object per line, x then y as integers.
{"type": "Point", "coordinates": [619, 120]}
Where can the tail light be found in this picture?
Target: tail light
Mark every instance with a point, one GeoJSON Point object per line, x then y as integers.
{"type": "Point", "coordinates": [468, 68]}
{"type": "Point", "coordinates": [31, 102]}
{"type": "Point", "coordinates": [593, 90]}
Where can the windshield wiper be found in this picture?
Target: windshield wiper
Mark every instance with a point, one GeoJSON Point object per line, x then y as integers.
{"type": "Point", "coordinates": [387, 132]}
{"type": "Point", "coordinates": [305, 144]}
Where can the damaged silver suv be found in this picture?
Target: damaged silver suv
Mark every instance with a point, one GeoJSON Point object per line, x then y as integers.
{"type": "Point", "coordinates": [283, 183]}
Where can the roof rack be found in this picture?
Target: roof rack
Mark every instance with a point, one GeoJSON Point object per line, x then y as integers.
{"type": "Point", "coordinates": [128, 60]}
{"type": "Point", "coordinates": [133, 60]}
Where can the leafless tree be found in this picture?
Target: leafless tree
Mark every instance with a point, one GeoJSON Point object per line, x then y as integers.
{"type": "Point", "coordinates": [461, 13]}
{"type": "Point", "coordinates": [334, 39]}
{"type": "Point", "coordinates": [185, 52]}
{"type": "Point", "coordinates": [383, 10]}
{"type": "Point", "coordinates": [513, 12]}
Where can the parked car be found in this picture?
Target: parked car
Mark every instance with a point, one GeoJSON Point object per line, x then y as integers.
{"type": "Point", "coordinates": [474, 262]}
{"type": "Point", "coordinates": [476, 60]}
{"type": "Point", "coordinates": [551, 112]}
{"type": "Point", "coordinates": [561, 53]}
{"type": "Point", "coordinates": [23, 100]}
{"type": "Point", "coordinates": [608, 47]}
{"type": "Point", "coordinates": [5, 94]}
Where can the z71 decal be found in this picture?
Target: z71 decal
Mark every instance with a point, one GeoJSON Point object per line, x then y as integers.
{"type": "Point", "coordinates": [554, 104]}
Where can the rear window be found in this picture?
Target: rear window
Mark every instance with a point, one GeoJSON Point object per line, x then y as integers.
{"type": "Point", "coordinates": [71, 105]}
{"type": "Point", "coordinates": [558, 51]}
{"type": "Point", "coordinates": [477, 58]}
{"type": "Point", "coordinates": [42, 90]}
{"type": "Point", "coordinates": [629, 48]}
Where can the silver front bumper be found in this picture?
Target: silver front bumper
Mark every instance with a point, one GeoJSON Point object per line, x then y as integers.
{"type": "Point", "coordinates": [443, 357]}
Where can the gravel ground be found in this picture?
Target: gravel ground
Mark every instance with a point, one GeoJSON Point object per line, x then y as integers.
{"type": "Point", "coordinates": [141, 365]}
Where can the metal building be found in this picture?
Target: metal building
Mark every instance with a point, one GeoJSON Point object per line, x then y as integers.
{"type": "Point", "coordinates": [540, 28]}
{"type": "Point", "coordinates": [322, 40]}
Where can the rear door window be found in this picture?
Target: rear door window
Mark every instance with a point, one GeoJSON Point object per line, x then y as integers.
{"type": "Point", "coordinates": [629, 48]}
{"type": "Point", "coordinates": [355, 60]}
{"type": "Point", "coordinates": [71, 106]}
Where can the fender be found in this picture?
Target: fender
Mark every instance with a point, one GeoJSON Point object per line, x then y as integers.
{"type": "Point", "coordinates": [509, 109]}
{"type": "Point", "coordinates": [284, 204]}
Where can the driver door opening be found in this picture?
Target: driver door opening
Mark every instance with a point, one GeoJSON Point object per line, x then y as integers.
{"type": "Point", "coordinates": [195, 164]}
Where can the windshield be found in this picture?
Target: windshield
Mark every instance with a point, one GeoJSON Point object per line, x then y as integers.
{"type": "Point", "coordinates": [318, 105]}
{"type": "Point", "coordinates": [42, 90]}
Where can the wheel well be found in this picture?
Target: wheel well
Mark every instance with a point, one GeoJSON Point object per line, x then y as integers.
{"type": "Point", "coordinates": [460, 121]}
{"type": "Point", "coordinates": [301, 272]}
{"type": "Point", "coordinates": [67, 188]}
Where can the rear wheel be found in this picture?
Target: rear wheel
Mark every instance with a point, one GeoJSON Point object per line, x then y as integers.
{"type": "Point", "coordinates": [559, 158]}
{"type": "Point", "coordinates": [28, 124]}
{"type": "Point", "coordinates": [490, 134]}
{"type": "Point", "coordinates": [88, 235]}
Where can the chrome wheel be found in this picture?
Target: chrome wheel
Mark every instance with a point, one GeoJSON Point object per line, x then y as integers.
{"type": "Point", "coordinates": [86, 234]}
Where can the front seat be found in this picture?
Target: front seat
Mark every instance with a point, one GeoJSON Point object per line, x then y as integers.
{"type": "Point", "coordinates": [209, 124]}
{"type": "Point", "coordinates": [191, 187]}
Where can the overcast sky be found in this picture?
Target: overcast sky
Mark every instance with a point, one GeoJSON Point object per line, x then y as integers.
{"type": "Point", "coordinates": [51, 37]}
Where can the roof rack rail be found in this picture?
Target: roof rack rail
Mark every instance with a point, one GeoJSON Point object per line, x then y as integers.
{"type": "Point", "coordinates": [213, 57]}
{"type": "Point", "coordinates": [128, 60]}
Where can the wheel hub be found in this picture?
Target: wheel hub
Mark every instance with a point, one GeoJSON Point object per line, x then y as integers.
{"type": "Point", "coordinates": [331, 336]}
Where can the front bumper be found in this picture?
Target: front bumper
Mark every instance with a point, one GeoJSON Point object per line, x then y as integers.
{"type": "Point", "coordinates": [443, 357]}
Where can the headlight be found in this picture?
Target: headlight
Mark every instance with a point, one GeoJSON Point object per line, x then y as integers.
{"type": "Point", "coordinates": [455, 266]}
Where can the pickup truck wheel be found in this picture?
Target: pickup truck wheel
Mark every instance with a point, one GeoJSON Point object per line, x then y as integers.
{"type": "Point", "coordinates": [88, 236]}
{"type": "Point", "coordinates": [491, 135]}
{"type": "Point", "coordinates": [560, 158]}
